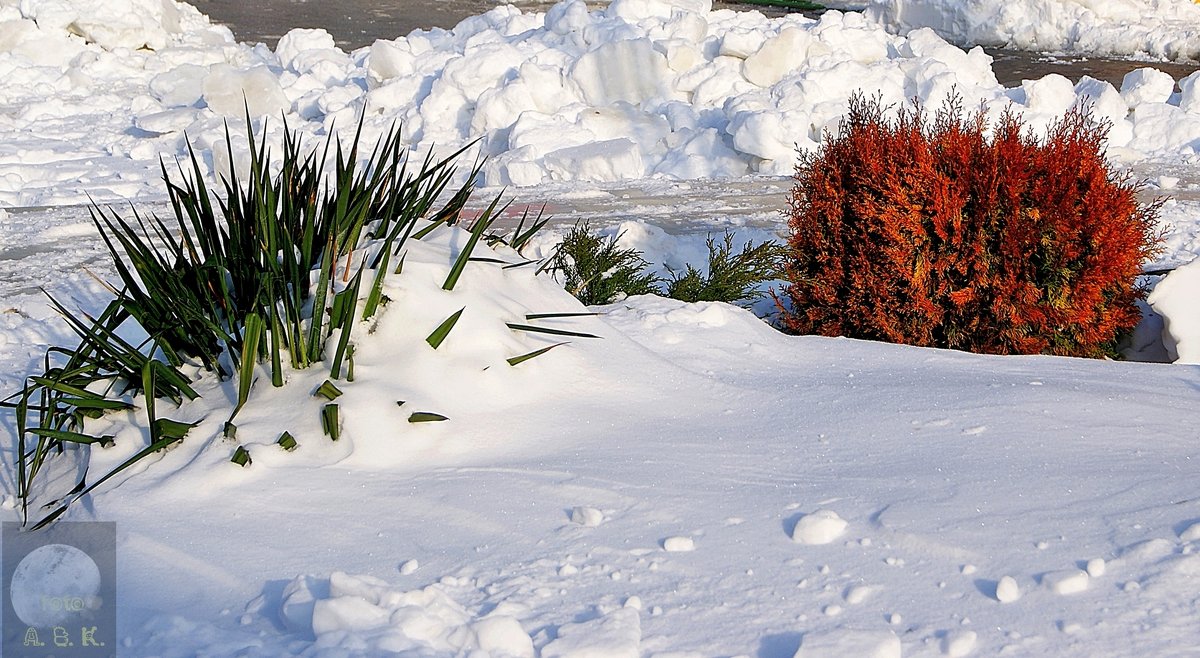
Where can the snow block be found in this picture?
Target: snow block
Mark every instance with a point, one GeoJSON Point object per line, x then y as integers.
{"type": "Point", "coordinates": [180, 86]}
{"type": "Point", "coordinates": [1189, 97]}
{"type": "Point", "coordinates": [1174, 298]}
{"type": "Point", "coordinates": [630, 71]}
{"type": "Point", "coordinates": [346, 613]}
{"type": "Point", "coordinates": [502, 636]}
{"type": "Point", "coordinates": [229, 91]}
{"type": "Point", "coordinates": [1146, 85]}
{"type": "Point", "coordinates": [607, 161]}
{"type": "Point", "coordinates": [1068, 581]}
{"type": "Point", "coordinates": [129, 24]}
{"type": "Point", "coordinates": [389, 59]}
{"type": "Point", "coordinates": [763, 135]}
{"type": "Point", "coordinates": [779, 56]}
{"type": "Point", "coordinates": [846, 642]}
{"type": "Point", "coordinates": [821, 527]}
{"type": "Point", "coordinates": [567, 17]}
{"type": "Point", "coordinates": [637, 10]}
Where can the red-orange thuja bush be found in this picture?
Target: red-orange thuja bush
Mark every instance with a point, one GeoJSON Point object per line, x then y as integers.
{"type": "Point", "coordinates": [944, 233]}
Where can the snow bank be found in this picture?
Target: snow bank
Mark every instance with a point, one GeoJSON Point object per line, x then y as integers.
{"type": "Point", "coordinates": [1175, 299]}
{"type": "Point", "coordinates": [640, 88]}
{"type": "Point", "coordinates": [1166, 29]}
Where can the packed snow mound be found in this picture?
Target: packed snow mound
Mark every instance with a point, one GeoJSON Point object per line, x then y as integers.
{"type": "Point", "coordinates": [133, 24]}
{"type": "Point", "coordinates": [1174, 298]}
{"type": "Point", "coordinates": [367, 613]}
{"type": "Point", "coordinates": [1161, 29]}
{"type": "Point", "coordinates": [641, 88]}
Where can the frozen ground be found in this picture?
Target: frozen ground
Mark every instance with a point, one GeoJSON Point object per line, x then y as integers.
{"type": "Point", "coordinates": [691, 484]}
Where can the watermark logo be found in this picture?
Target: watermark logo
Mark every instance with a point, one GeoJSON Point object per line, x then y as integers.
{"type": "Point", "coordinates": [60, 590]}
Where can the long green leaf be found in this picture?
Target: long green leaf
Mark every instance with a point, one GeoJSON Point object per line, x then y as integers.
{"type": "Point", "coordinates": [548, 330]}
{"type": "Point", "coordinates": [251, 335]}
{"type": "Point", "coordinates": [517, 360]}
{"type": "Point", "coordinates": [482, 224]}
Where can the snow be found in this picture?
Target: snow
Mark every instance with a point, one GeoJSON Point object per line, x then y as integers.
{"type": "Point", "coordinates": [1165, 29]}
{"type": "Point", "coordinates": [638, 89]}
{"type": "Point", "coordinates": [821, 527]}
{"type": "Point", "coordinates": [850, 642]}
{"type": "Point", "coordinates": [691, 484]}
{"type": "Point", "coordinates": [1174, 298]}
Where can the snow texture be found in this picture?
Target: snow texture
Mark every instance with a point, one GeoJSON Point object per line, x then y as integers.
{"type": "Point", "coordinates": [546, 516]}
{"type": "Point", "coordinates": [1167, 29]}
{"type": "Point", "coordinates": [640, 89]}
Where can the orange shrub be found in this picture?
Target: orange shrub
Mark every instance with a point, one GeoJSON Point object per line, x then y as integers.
{"type": "Point", "coordinates": [945, 235]}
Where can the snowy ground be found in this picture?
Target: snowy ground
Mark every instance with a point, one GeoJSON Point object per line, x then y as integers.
{"type": "Point", "coordinates": [1156, 29]}
{"type": "Point", "coordinates": [691, 484]}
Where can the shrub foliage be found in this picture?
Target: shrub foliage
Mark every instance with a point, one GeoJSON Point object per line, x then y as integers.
{"type": "Point", "coordinates": [948, 234]}
{"type": "Point", "coordinates": [733, 276]}
{"type": "Point", "coordinates": [596, 271]}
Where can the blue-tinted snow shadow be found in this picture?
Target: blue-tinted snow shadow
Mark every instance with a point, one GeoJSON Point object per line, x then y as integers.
{"type": "Point", "coordinates": [780, 645]}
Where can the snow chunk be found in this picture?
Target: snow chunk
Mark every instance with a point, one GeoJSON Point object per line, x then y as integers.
{"type": "Point", "coordinates": [1096, 567]}
{"type": "Point", "coordinates": [1146, 85]}
{"type": "Point", "coordinates": [409, 567]}
{"type": "Point", "coordinates": [777, 57]}
{"type": "Point", "coordinates": [843, 642]}
{"type": "Point", "coordinates": [129, 24]}
{"type": "Point", "coordinates": [615, 635]}
{"type": "Point", "coordinates": [229, 91]}
{"type": "Point", "coordinates": [1174, 298]}
{"type": "Point", "coordinates": [637, 10]}
{"type": "Point", "coordinates": [1159, 29]}
{"type": "Point", "coordinates": [346, 613]}
{"type": "Point", "coordinates": [1007, 590]}
{"type": "Point", "coordinates": [1191, 533]}
{"type": "Point", "coordinates": [1069, 581]}
{"type": "Point", "coordinates": [609, 160]}
{"type": "Point", "coordinates": [959, 643]}
{"type": "Point", "coordinates": [631, 71]}
{"type": "Point", "coordinates": [589, 517]}
{"type": "Point", "coordinates": [376, 619]}
{"type": "Point", "coordinates": [502, 636]}
{"type": "Point", "coordinates": [821, 527]}
{"type": "Point", "coordinates": [679, 544]}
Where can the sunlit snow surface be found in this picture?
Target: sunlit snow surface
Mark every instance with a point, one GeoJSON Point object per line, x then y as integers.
{"type": "Point", "coordinates": [644, 494]}
{"type": "Point", "coordinates": [1159, 29]}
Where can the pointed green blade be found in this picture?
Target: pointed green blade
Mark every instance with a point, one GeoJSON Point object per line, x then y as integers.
{"type": "Point", "coordinates": [435, 339]}
{"type": "Point", "coordinates": [517, 360]}
{"type": "Point", "coordinates": [426, 417]}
